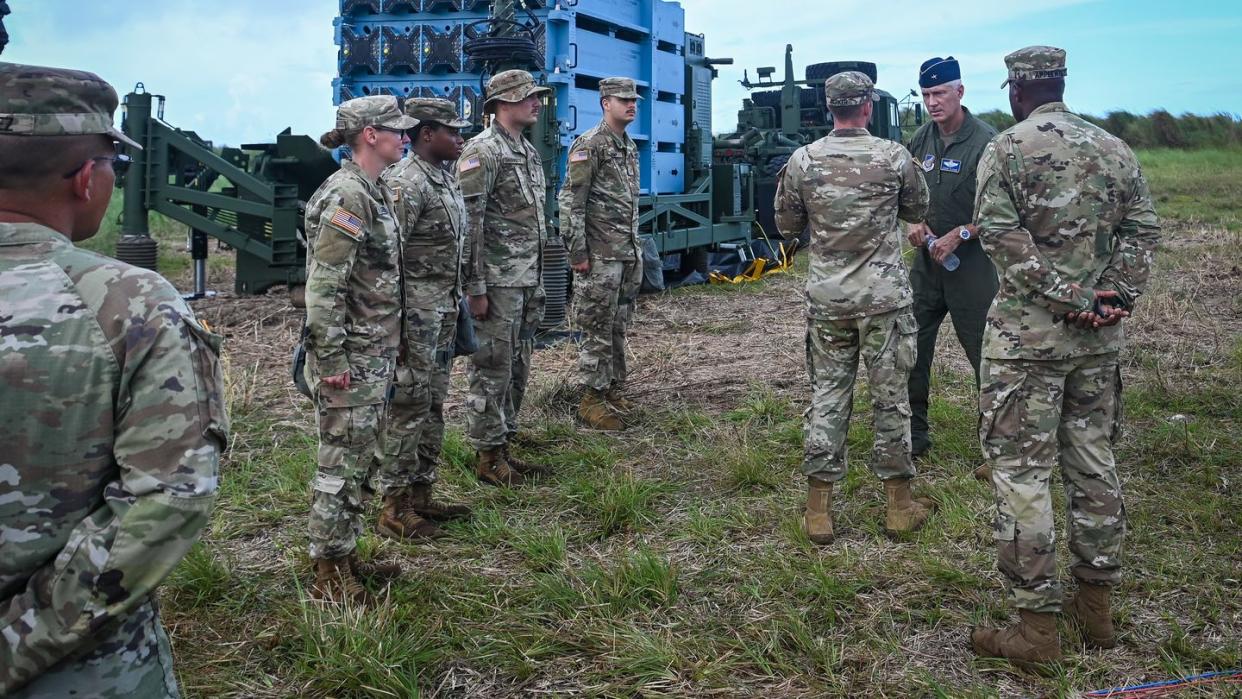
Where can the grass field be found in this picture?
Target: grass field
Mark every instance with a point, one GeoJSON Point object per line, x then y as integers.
{"type": "Point", "coordinates": [1197, 186]}
{"type": "Point", "coordinates": [668, 560]}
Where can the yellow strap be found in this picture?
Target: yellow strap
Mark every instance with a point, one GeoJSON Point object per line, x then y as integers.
{"type": "Point", "coordinates": [758, 268]}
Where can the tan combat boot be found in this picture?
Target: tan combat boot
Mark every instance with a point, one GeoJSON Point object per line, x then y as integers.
{"type": "Point", "coordinates": [335, 582]}
{"type": "Point", "coordinates": [492, 469]}
{"type": "Point", "coordinates": [904, 514]}
{"type": "Point", "coordinates": [422, 503]}
{"type": "Point", "coordinates": [817, 520]}
{"type": "Point", "coordinates": [526, 468]}
{"type": "Point", "coordinates": [596, 413]}
{"type": "Point", "coordinates": [375, 571]}
{"type": "Point", "coordinates": [618, 401]}
{"type": "Point", "coordinates": [983, 473]}
{"type": "Point", "coordinates": [398, 521]}
{"type": "Point", "coordinates": [1090, 609]}
{"type": "Point", "coordinates": [1029, 644]}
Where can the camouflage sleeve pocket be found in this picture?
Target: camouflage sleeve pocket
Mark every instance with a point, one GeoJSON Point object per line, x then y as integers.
{"type": "Point", "coordinates": [205, 350]}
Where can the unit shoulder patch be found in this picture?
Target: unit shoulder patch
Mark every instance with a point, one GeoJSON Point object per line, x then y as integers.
{"type": "Point", "coordinates": [929, 162]}
{"type": "Point", "coordinates": [347, 222]}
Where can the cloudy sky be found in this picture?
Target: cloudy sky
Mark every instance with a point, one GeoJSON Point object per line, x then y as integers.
{"type": "Point", "coordinates": [242, 70]}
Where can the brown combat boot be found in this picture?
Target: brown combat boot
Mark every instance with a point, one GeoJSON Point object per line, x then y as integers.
{"type": "Point", "coordinates": [335, 582]}
{"type": "Point", "coordinates": [492, 469]}
{"type": "Point", "coordinates": [596, 413]}
{"type": "Point", "coordinates": [817, 520]}
{"type": "Point", "coordinates": [376, 571]}
{"type": "Point", "coordinates": [618, 401]}
{"type": "Point", "coordinates": [526, 468]}
{"type": "Point", "coordinates": [1090, 609]}
{"type": "Point", "coordinates": [904, 514]}
{"type": "Point", "coordinates": [398, 521]}
{"type": "Point", "coordinates": [422, 503]}
{"type": "Point", "coordinates": [1029, 644]}
{"type": "Point", "coordinates": [983, 472]}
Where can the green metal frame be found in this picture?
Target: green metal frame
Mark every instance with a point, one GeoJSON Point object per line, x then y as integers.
{"type": "Point", "coordinates": [267, 254]}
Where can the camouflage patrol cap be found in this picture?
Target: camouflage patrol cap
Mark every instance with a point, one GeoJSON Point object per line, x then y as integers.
{"type": "Point", "coordinates": [511, 86]}
{"type": "Point", "coordinates": [849, 88]}
{"type": "Point", "coordinates": [376, 110]}
{"type": "Point", "coordinates": [622, 88]}
{"type": "Point", "coordinates": [1035, 63]}
{"type": "Point", "coordinates": [43, 101]}
{"type": "Point", "coordinates": [441, 111]}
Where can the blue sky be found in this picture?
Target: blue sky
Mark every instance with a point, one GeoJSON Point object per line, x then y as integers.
{"type": "Point", "coordinates": [242, 70]}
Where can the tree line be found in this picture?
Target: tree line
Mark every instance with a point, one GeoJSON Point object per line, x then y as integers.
{"type": "Point", "coordinates": [1159, 129]}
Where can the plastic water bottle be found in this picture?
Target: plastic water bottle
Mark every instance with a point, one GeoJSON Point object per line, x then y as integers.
{"type": "Point", "coordinates": [951, 262]}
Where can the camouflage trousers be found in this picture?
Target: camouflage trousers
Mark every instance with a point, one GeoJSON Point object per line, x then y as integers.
{"type": "Point", "coordinates": [1034, 414]}
{"type": "Point", "coordinates": [886, 342]}
{"type": "Point", "coordinates": [500, 369]}
{"type": "Point", "coordinates": [351, 443]}
{"type": "Point", "coordinates": [415, 429]}
{"type": "Point", "coordinates": [130, 659]}
{"type": "Point", "coordinates": [603, 305]}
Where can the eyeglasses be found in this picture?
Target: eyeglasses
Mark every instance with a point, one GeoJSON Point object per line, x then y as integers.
{"type": "Point", "coordinates": [120, 164]}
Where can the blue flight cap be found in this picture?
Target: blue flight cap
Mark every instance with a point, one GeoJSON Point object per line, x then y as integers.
{"type": "Point", "coordinates": [938, 71]}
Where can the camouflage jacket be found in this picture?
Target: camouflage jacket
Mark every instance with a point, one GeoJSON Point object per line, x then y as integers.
{"type": "Point", "coordinates": [850, 188]}
{"type": "Point", "coordinates": [113, 420]}
{"type": "Point", "coordinates": [1062, 209]}
{"type": "Point", "coordinates": [433, 220]}
{"type": "Point", "coordinates": [501, 177]}
{"type": "Point", "coordinates": [599, 201]}
{"type": "Point", "coordinates": [353, 287]}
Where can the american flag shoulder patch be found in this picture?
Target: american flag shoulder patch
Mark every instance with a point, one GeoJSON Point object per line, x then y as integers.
{"type": "Point", "coordinates": [579, 156]}
{"type": "Point", "coordinates": [347, 223]}
{"type": "Point", "coordinates": [469, 164]}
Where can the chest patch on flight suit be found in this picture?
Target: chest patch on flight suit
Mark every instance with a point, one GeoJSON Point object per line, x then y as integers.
{"type": "Point", "coordinates": [347, 223]}
{"type": "Point", "coordinates": [929, 162]}
{"type": "Point", "coordinates": [950, 165]}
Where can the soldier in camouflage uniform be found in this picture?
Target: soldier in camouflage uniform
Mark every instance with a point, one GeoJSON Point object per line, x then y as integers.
{"type": "Point", "coordinates": [599, 220]}
{"type": "Point", "coordinates": [502, 181]}
{"type": "Point", "coordinates": [112, 416]}
{"type": "Point", "coordinates": [850, 189]}
{"type": "Point", "coordinates": [1065, 214]}
{"type": "Point", "coordinates": [353, 319]}
{"type": "Point", "coordinates": [432, 218]}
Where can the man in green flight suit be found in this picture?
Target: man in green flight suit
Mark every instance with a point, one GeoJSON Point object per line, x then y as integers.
{"type": "Point", "coordinates": [948, 149]}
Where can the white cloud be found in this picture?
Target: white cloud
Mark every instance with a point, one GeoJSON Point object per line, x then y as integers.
{"type": "Point", "coordinates": [251, 67]}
